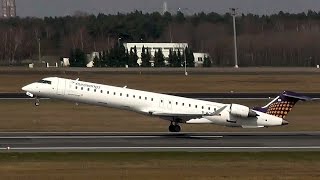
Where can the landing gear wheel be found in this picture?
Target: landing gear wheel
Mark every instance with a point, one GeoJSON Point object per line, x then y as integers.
{"type": "Point", "coordinates": [177, 128]}
{"type": "Point", "coordinates": [172, 128]}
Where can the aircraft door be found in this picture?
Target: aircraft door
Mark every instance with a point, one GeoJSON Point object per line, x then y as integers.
{"type": "Point", "coordinates": [61, 87]}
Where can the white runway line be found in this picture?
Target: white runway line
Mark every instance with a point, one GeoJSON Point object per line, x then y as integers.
{"type": "Point", "coordinates": [156, 148]}
{"type": "Point", "coordinates": [100, 137]}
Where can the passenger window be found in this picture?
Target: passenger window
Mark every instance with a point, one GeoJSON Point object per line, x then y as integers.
{"type": "Point", "coordinates": [209, 108]}
{"type": "Point", "coordinates": [107, 92]}
{"type": "Point", "coordinates": [176, 103]}
{"type": "Point", "coordinates": [161, 101]}
{"type": "Point", "coordinates": [182, 104]}
{"type": "Point", "coordinates": [151, 99]}
{"type": "Point", "coordinates": [196, 106]}
{"type": "Point", "coordinates": [101, 91]}
{"type": "Point", "coordinates": [81, 88]}
{"type": "Point", "coordinates": [169, 102]}
{"type": "Point", "coordinates": [88, 89]}
{"type": "Point", "coordinates": [202, 107]}
{"type": "Point", "coordinates": [114, 93]}
{"type": "Point", "coordinates": [76, 87]}
{"type": "Point", "coordinates": [127, 95]}
{"type": "Point", "coordinates": [146, 98]}
{"type": "Point", "coordinates": [139, 97]}
{"type": "Point", "coordinates": [134, 96]}
{"type": "Point", "coordinates": [189, 105]}
{"type": "Point", "coordinates": [95, 90]}
{"type": "Point", "coordinates": [120, 94]}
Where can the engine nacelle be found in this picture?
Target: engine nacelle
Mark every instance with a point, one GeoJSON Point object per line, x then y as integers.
{"type": "Point", "coordinates": [242, 111]}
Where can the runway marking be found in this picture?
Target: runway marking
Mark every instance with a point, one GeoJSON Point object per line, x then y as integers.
{"type": "Point", "coordinates": [102, 137]}
{"type": "Point", "coordinates": [152, 148]}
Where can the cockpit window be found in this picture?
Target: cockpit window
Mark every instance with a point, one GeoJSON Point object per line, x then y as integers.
{"type": "Point", "coordinates": [44, 81]}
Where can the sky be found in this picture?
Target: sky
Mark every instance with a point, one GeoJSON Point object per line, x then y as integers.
{"type": "Point", "coordinates": [41, 8]}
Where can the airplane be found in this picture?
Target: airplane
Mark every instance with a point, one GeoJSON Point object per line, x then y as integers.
{"type": "Point", "coordinates": [174, 109]}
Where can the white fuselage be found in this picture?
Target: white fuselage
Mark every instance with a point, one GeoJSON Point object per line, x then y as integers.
{"type": "Point", "coordinates": [145, 102]}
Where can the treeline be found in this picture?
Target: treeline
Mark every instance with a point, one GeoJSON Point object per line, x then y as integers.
{"type": "Point", "coordinates": [118, 56]}
{"type": "Point", "coordinates": [281, 39]}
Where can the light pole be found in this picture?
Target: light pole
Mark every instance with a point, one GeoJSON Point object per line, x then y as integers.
{"type": "Point", "coordinates": [39, 45]}
{"type": "Point", "coordinates": [185, 62]}
{"type": "Point", "coordinates": [234, 14]}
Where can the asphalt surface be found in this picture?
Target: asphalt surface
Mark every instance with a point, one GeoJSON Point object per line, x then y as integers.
{"type": "Point", "coordinates": [204, 96]}
{"type": "Point", "coordinates": [149, 142]}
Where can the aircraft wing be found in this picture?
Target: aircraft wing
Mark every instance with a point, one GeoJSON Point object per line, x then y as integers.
{"type": "Point", "coordinates": [185, 115]}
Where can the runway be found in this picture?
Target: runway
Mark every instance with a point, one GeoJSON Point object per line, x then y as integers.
{"type": "Point", "coordinates": [159, 142]}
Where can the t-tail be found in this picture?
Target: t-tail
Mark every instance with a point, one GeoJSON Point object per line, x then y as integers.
{"type": "Point", "coordinates": [282, 104]}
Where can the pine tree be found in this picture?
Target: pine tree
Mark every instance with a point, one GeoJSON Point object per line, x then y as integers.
{"type": "Point", "coordinates": [145, 57]}
{"type": "Point", "coordinates": [190, 57]}
{"type": "Point", "coordinates": [207, 62]}
{"type": "Point", "coordinates": [78, 58]}
{"type": "Point", "coordinates": [159, 59]}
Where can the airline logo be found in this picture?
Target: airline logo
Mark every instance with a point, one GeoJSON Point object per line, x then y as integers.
{"type": "Point", "coordinates": [86, 85]}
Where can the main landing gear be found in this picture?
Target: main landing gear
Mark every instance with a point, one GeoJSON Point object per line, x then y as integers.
{"type": "Point", "coordinates": [174, 127]}
{"type": "Point", "coordinates": [37, 101]}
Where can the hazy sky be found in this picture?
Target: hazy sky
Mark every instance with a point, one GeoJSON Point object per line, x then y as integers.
{"type": "Point", "coordinates": [67, 7]}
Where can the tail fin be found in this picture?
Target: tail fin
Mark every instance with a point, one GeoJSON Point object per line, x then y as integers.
{"type": "Point", "coordinates": [282, 104]}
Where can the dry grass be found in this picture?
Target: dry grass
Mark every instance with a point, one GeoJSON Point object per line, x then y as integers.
{"type": "Point", "coordinates": [178, 83]}
{"type": "Point", "coordinates": [161, 166]}
{"type": "Point", "coordinates": [22, 115]}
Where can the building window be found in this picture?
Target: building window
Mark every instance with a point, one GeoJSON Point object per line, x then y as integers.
{"type": "Point", "coordinates": [200, 59]}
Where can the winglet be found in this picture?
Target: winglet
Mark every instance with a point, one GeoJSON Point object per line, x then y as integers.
{"type": "Point", "coordinates": [77, 79]}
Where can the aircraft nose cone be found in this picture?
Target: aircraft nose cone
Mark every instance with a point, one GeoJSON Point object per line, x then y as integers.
{"type": "Point", "coordinates": [284, 122]}
{"type": "Point", "coordinates": [26, 88]}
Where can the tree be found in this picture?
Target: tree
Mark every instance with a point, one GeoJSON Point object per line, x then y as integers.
{"type": "Point", "coordinates": [133, 58]}
{"type": "Point", "coordinates": [190, 57]}
{"type": "Point", "coordinates": [159, 59]}
{"type": "Point", "coordinates": [145, 57]}
{"type": "Point", "coordinates": [78, 58]}
{"type": "Point", "coordinates": [207, 62]}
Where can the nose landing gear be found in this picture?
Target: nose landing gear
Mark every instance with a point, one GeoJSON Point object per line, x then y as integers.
{"type": "Point", "coordinates": [37, 101]}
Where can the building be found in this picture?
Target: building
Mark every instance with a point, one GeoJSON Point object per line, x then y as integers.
{"type": "Point", "coordinates": [199, 58]}
{"type": "Point", "coordinates": [8, 8]}
{"type": "Point", "coordinates": [165, 48]}
{"type": "Point", "coordinates": [155, 47]}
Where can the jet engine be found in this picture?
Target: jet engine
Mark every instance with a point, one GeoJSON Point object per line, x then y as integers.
{"type": "Point", "coordinates": [242, 111]}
